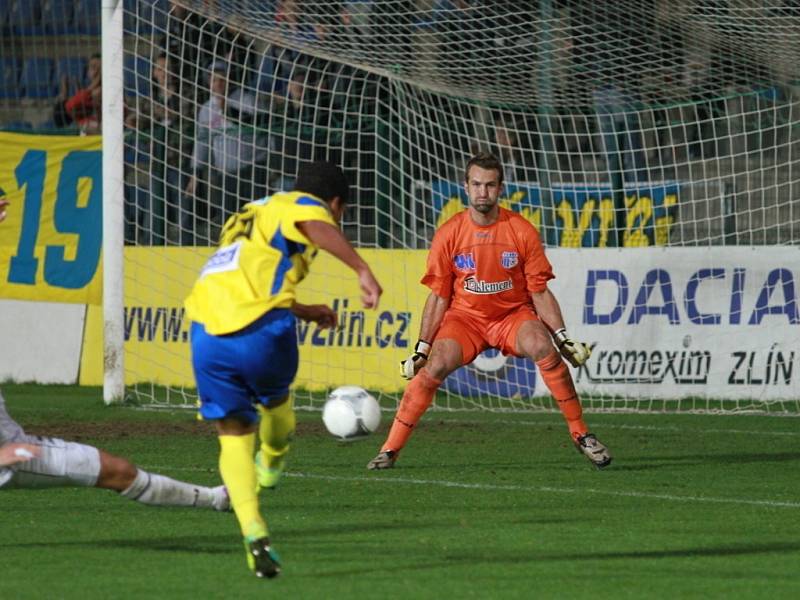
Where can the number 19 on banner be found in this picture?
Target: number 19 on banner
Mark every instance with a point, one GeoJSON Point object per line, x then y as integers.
{"type": "Point", "coordinates": [61, 223]}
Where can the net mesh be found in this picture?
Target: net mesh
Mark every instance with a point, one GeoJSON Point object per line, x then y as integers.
{"type": "Point", "coordinates": [640, 124]}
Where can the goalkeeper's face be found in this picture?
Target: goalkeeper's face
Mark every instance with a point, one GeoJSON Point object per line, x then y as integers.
{"type": "Point", "coordinates": [483, 189]}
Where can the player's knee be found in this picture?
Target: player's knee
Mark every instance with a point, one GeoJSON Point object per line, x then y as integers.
{"type": "Point", "coordinates": [534, 341]}
{"type": "Point", "coordinates": [541, 350]}
{"type": "Point", "coordinates": [438, 369]}
{"type": "Point", "coordinates": [234, 426]}
{"type": "Point", "coordinates": [116, 473]}
{"type": "Point", "coordinates": [445, 358]}
{"type": "Point", "coordinates": [538, 348]}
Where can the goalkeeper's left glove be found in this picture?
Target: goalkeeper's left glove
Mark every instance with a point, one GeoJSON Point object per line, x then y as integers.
{"type": "Point", "coordinates": [410, 366]}
{"type": "Point", "coordinates": [576, 353]}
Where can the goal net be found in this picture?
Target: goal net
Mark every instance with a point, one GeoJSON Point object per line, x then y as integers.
{"type": "Point", "coordinates": [653, 144]}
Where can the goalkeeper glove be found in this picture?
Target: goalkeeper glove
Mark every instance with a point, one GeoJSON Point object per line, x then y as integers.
{"type": "Point", "coordinates": [410, 366]}
{"type": "Point", "coordinates": [576, 353]}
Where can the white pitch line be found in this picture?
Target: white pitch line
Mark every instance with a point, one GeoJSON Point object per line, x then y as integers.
{"type": "Point", "coordinates": [635, 427]}
{"type": "Point", "coordinates": [548, 489]}
{"type": "Point", "coordinates": [514, 488]}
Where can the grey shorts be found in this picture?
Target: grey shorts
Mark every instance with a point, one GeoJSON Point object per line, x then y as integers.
{"type": "Point", "coordinates": [61, 464]}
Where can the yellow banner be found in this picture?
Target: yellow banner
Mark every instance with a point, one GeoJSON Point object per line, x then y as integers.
{"type": "Point", "coordinates": [368, 345]}
{"type": "Point", "coordinates": [51, 240]}
{"type": "Point", "coordinates": [365, 349]}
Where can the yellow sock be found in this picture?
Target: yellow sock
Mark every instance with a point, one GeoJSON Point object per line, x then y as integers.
{"type": "Point", "coordinates": [276, 430]}
{"type": "Point", "coordinates": [238, 470]}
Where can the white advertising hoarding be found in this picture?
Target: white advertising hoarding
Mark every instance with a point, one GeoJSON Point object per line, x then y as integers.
{"type": "Point", "coordinates": [41, 341]}
{"type": "Point", "coordinates": [716, 322]}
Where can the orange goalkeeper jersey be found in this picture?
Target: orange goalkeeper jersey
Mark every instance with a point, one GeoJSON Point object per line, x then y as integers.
{"type": "Point", "coordinates": [487, 271]}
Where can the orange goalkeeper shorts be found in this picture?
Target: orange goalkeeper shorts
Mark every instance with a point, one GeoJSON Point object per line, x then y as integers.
{"type": "Point", "coordinates": [475, 336]}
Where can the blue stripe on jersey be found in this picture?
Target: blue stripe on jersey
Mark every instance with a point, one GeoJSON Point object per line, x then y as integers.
{"type": "Point", "coordinates": [287, 248]}
{"type": "Point", "coordinates": [308, 201]}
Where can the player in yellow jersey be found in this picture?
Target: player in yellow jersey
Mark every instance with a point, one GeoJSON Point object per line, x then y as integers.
{"type": "Point", "coordinates": [244, 338]}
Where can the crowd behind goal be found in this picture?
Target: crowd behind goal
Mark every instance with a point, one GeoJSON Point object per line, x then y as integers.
{"type": "Point", "coordinates": [216, 115]}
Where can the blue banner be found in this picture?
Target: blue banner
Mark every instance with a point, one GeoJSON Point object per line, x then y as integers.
{"type": "Point", "coordinates": [493, 374]}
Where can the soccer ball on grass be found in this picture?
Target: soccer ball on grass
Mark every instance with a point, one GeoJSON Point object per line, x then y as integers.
{"type": "Point", "coordinates": [351, 413]}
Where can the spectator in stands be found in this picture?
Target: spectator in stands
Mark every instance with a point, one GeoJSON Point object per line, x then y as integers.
{"type": "Point", "coordinates": [60, 116]}
{"type": "Point", "coordinates": [518, 161]}
{"type": "Point", "coordinates": [329, 21]}
{"type": "Point", "coordinates": [170, 132]}
{"type": "Point", "coordinates": [619, 126]}
{"type": "Point", "coordinates": [289, 21]}
{"type": "Point", "coordinates": [239, 51]}
{"type": "Point", "coordinates": [291, 108]}
{"type": "Point", "coordinates": [192, 41]}
{"type": "Point", "coordinates": [84, 108]}
{"type": "Point", "coordinates": [310, 111]}
{"type": "Point", "coordinates": [606, 52]}
{"type": "Point", "coordinates": [154, 144]}
{"type": "Point", "coordinates": [355, 17]}
{"type": "Point", "coordinates": [166, 100]}
{"type": "Point", "coordinates": [460, 24]}
{"type": "Point", "coordinates": [229, 158]}
{"type": "Point", "coordinates": [164, 104]}
{"type": "Point", "coordinates": [186, 38]}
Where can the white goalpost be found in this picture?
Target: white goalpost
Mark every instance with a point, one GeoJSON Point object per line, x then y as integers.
{"type": "Point", "coordinates": [653, 144]}
{"type": "Point", "coordinates": [113, 201]}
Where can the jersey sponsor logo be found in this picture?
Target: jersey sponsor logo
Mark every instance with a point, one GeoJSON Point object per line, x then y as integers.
{"type": "Point", "coordinates": [464, 262]}
{"type": "Point", "coordinates": [476, 286]}
{"type": "Point", "coordinates": [509, 260]}
{"type": "Point", "coordinates": [482, 234]}
{"type": "Point", "coordinates": [224, 259]}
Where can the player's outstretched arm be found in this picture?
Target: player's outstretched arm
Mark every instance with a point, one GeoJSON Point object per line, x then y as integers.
{"type": "Point", "coordinates": [549, 311]}
{"type": "Point", "coordinates": [332, 240]}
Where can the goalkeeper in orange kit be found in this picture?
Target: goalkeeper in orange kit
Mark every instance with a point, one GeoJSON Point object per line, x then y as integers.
{"type": "Point", "coordinates": [488, 276]}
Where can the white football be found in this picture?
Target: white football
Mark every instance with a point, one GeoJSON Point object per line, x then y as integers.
{"type": "Point", "coordinates": [351, 413]}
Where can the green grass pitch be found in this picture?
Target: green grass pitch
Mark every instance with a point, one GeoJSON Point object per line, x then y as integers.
{"type": "Point", "coordinates": [481, 505]}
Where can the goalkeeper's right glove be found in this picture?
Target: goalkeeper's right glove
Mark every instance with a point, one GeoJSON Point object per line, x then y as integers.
{"type": "Point", "coordinates": [576, 353]}
{"type": "Point", "coordinates": [410, 366]}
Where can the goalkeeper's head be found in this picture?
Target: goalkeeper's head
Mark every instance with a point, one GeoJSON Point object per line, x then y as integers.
{"type": "Point", "coordinates": [322, 179]}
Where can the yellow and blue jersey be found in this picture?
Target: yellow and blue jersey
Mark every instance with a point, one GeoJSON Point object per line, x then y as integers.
{"type": "Point", "coordinates": [261, 258]}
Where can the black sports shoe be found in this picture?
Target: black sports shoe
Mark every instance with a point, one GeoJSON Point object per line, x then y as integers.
{"type": "Point", "coordinates": [594, 450]}
{"type": "Point", "coordinates": [384, 460]}
{"type": "Point", "coordinates": [262, 559]}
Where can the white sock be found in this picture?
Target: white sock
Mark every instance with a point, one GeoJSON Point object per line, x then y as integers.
{"type": "Point", "coordinates": [158, 490]}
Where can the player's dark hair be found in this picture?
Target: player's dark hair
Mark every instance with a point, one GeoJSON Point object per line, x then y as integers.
{"type": "Point", "coordinates": [484, 160]}
{"type": "Point", "coordinates": [322, 179]}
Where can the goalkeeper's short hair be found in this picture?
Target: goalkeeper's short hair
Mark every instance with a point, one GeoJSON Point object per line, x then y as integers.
{"type": "Point", "coordinates": [485, 160]}
{"type": "Point", "coordinates": [322, 179]}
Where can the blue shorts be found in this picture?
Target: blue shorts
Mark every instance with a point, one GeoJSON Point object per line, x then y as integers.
{"type": "Point", "coordinates": [254, 365]}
